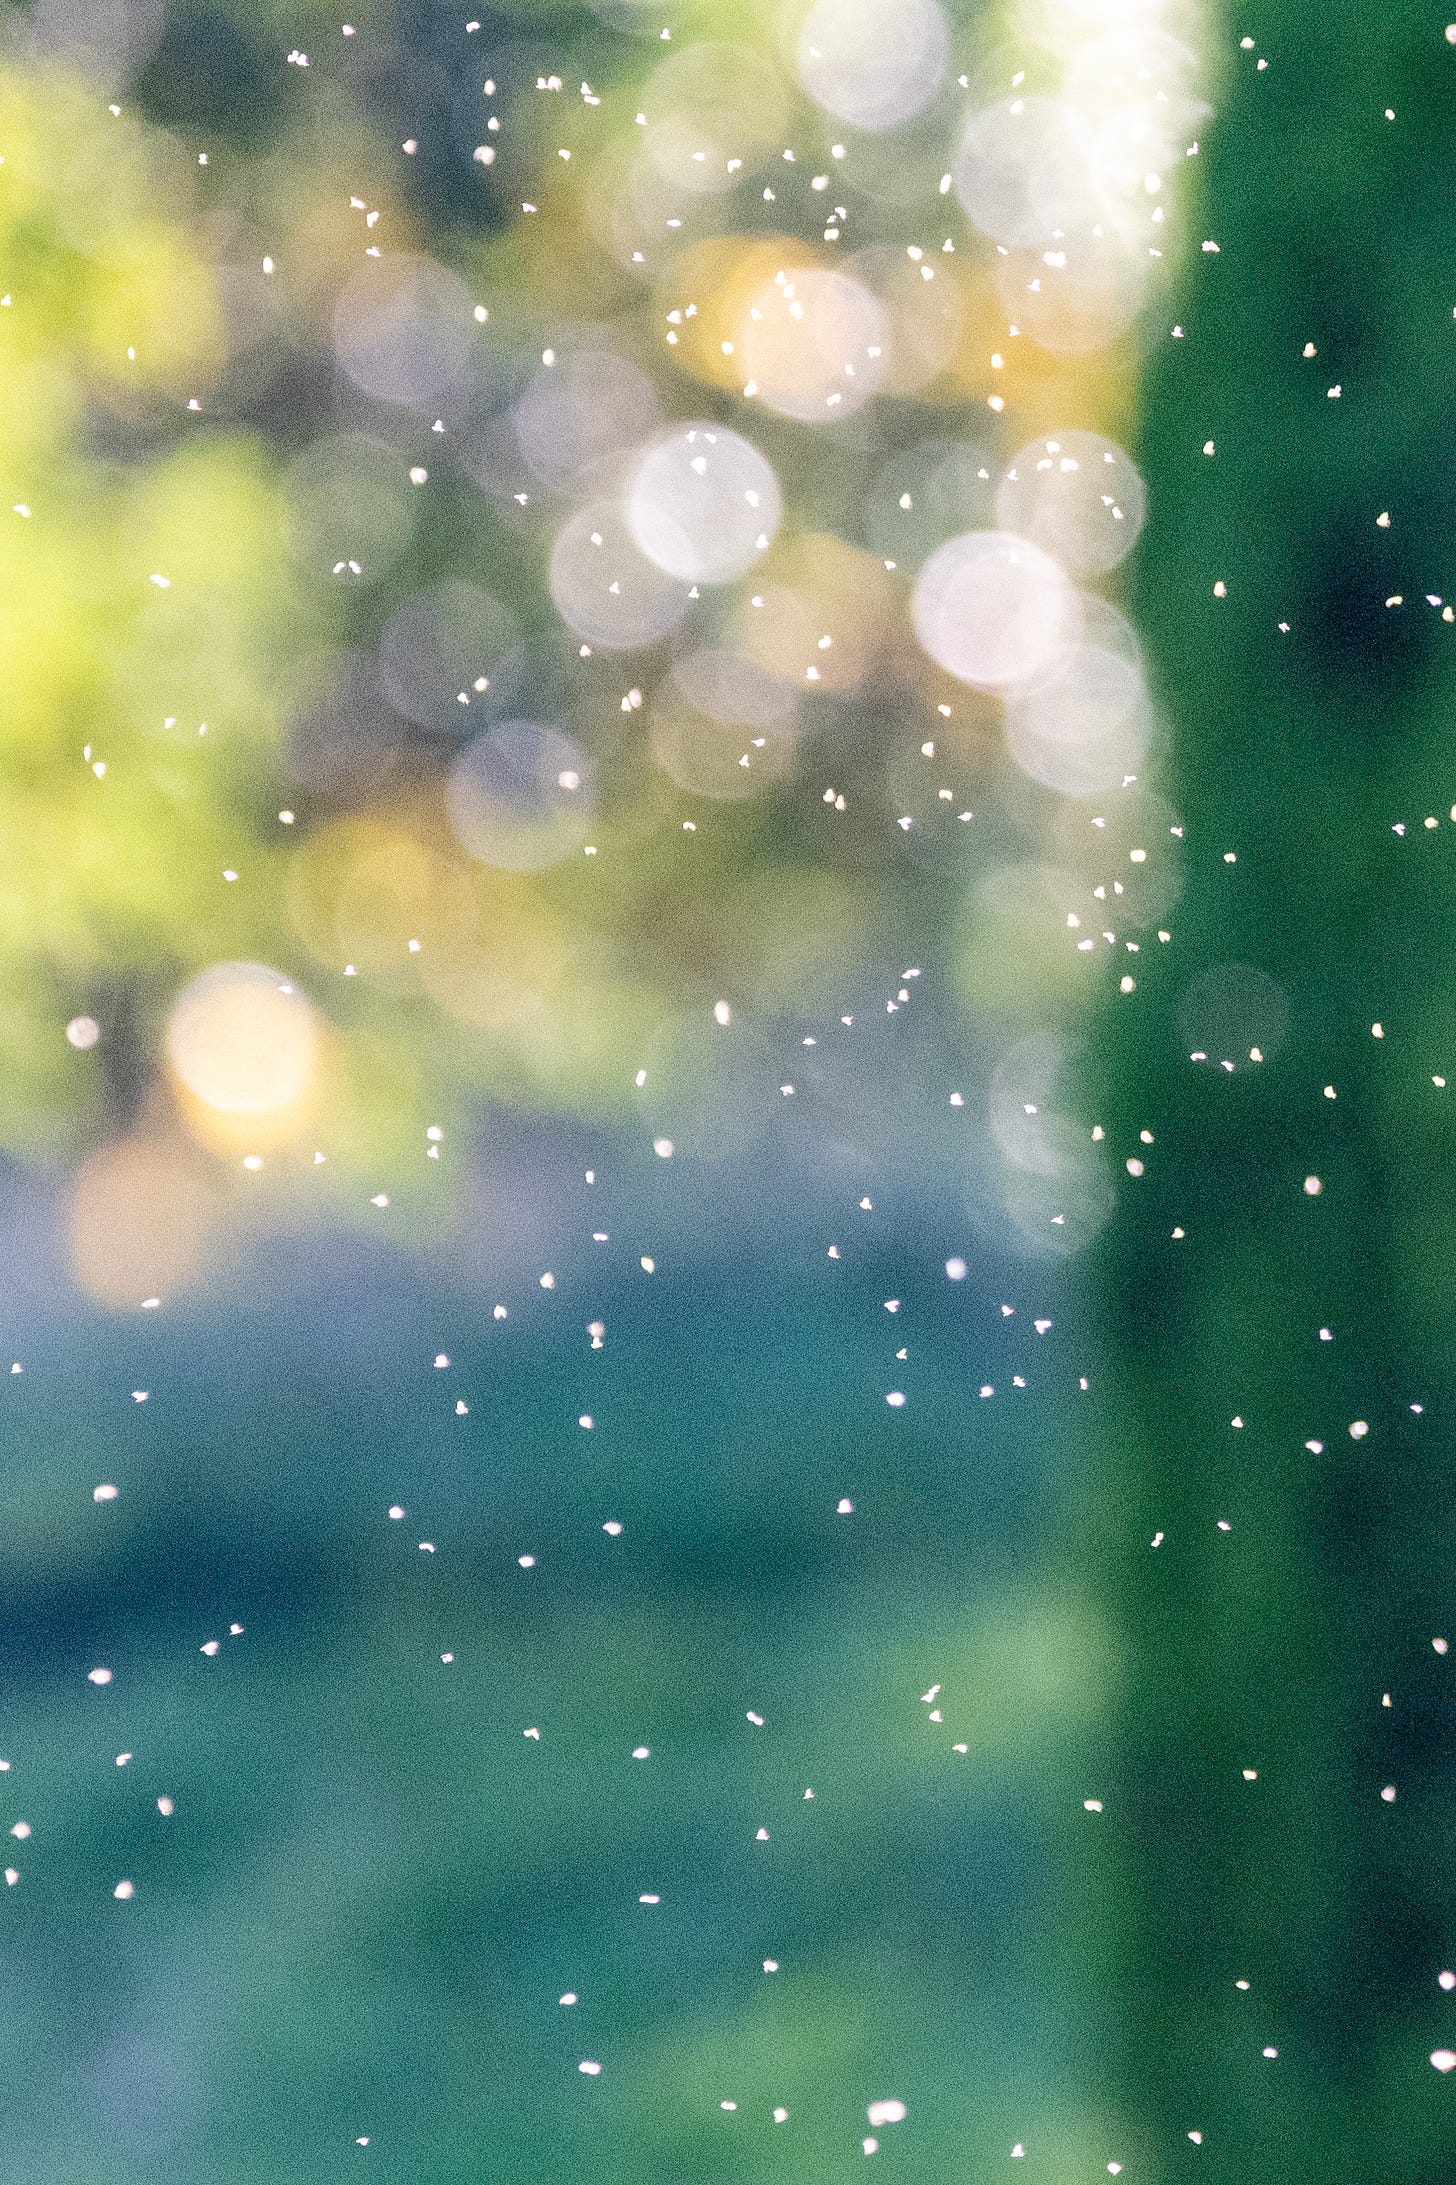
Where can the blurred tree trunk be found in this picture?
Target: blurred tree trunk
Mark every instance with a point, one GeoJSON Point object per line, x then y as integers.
{"type": "Point", "coordinates": [1296, 755]}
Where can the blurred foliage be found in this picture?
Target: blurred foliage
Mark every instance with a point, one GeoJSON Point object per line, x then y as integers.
{"type": "Point", "coordinates": [114, 819]}
{"type": "Point", "coordinates": [232, 456]}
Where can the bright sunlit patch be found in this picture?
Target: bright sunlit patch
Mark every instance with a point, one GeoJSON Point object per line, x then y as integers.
{"type": "Point", "coordinates": [994, 610]}
{"type": "Point", "coordinates": [874, 63]}
{"type": "Point", "coordinates": [814, 345]}
{"type": "Point", "coordinates": [1022, 171]}
{"type": "Point", "coordinates": [703, 504]}
{"type": "Point", "coordinates": [243, 1040]}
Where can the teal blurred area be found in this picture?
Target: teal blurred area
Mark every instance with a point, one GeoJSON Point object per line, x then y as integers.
{"type": "Point", "coordinates": [375, 1886]}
